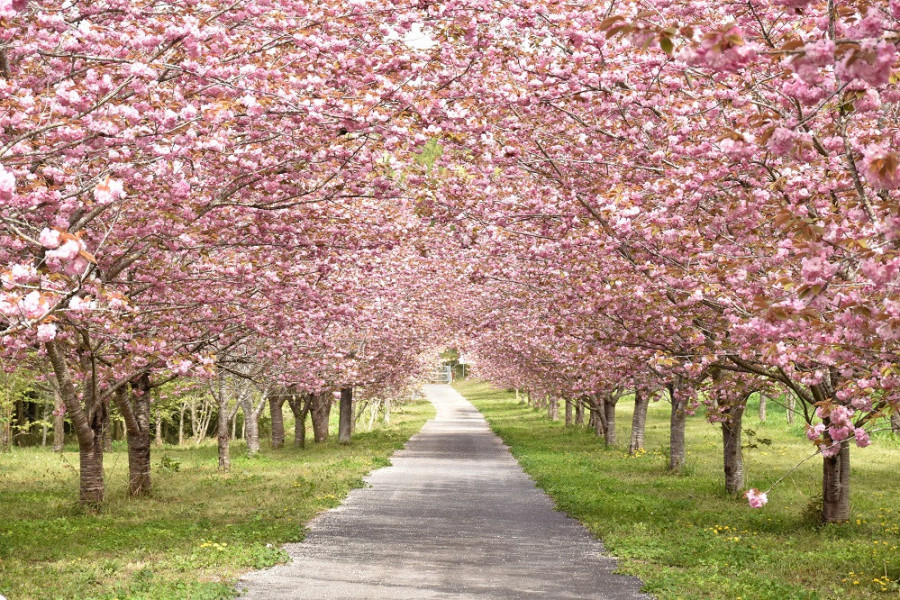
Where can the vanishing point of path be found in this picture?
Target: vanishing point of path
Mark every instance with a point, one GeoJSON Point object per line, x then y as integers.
{"type": "Point", "coordinates": [453, 517]}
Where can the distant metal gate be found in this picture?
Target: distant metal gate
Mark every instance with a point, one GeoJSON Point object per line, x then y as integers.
{"type": "Point", "coordinates": [442, 374]}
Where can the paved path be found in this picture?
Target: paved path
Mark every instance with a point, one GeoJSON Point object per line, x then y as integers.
{"type": "Point", "coordinates": [453, 517]}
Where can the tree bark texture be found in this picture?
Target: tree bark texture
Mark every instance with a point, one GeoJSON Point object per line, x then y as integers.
{"type": "Point", "coordinates": [136, 412]}
{"type": "Point", "coordinates": [299, 404]}
{"type": "Point", "coordinates": [569, 415]}
{"type": "Point", "coordinates": [320, 411]}
{"type": "Point", "coordinates": [251, 421]}
{"type": "Point", "coordinates": [731, 438]}
{"type": "Point", "coordinates": [59, 422]}
{"type": "Point", "coordinates": [88, 424]}
{"type": "Point", "coordinates": [762, 408]}
{"type": "Point", "coordinates": [609, 412]}
{"type": "Point", "coordinates": [159, 430]}
{"type": "Point", "coordinates": [553, 408]}
{"type": "Point", "coordinates": [222, 434]}
{"type": "Point", "coordinates": [599, 412]}
{"type": "Point", "coordinates": [836, 486]}
{"type": "Point", "coordinates": [579, 412]}
{"type": "Point", "coordinates": [638, 422]}
{"type": "Point", "coordinates": [676, 432]}
{"type": "Point", "coordinates": [345, 423]}
{"type": "Point", "coordinates": [276, 404]}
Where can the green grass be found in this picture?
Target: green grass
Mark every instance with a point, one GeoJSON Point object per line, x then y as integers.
{"type": "Point", "coordinates": [683, 535]}
{"type": "Point", "coordinates": [198, 532]}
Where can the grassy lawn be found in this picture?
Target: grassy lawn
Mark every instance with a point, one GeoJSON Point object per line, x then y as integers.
{"type": "Point", "coordinates": [683, 535]}
{"type": "Point", "coordinates": [198, 532]}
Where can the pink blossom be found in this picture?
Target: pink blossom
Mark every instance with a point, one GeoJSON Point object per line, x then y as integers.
{"type": "Point", "coordinates": [723, 50]}
{"type": "Point", "coordinates": [33, 305]}
{"type": "Point", "coordinates": [871, 63]}
{"type": "Point", "coordinates": [7, 182]}
{"type": "Point", "coordinates": [22, 273]}
{"type": "Point", "coordinates": [46, 332]}
{"type": "Point", "coordinates": [756, 498]}
{"type": "Point", "coordinates": [782, 141]}
{"type": "Point", "coordinates": [794, 3]}
{"type": "Point", "coordinates": [49, 238]}
{"type": "Point", "coordinates": [881, 167]}
{"type": "Point", "coordinates": [67, 251]}
{"type": "Point", "coordinates": [830, 450]}
{"type": "Point", "coordinates": [8, 305]}
{"type": "Point", "coordinates": [862, 437]}
{"type": "Point", "coordinates": [79, 304]}
{"type": "Point", "coordinates": [815, 432]}
{"type": "Point", "coordinates": [840, 416]}
{"type": "Point", "coordinates": [76, 267]}
{"type": "Point", "coordinates": [838, 434]}
{"type": "Point", "coordinates": [109, 190]}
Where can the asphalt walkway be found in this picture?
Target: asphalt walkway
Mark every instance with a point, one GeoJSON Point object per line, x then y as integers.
{"type": "Point", "coordinates": [453, 517]}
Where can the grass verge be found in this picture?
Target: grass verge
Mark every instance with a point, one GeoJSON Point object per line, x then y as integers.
{"type": "Point", "coordinates": [683, 535]}
{"type": "Point", "coordinates": [196, 534]}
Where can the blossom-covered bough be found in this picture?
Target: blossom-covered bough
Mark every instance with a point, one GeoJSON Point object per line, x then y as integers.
{"type": "Point", "coordinates": [689, 200]}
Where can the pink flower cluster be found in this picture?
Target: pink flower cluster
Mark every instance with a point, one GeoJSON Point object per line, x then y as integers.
{"type": "Point", "coordinates": [756, 498]}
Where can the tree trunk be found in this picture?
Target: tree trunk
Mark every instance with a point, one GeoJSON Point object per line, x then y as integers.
{"type": "Point", "coordinates": [20, 423]}
{"type": "Point", "coordinates": [107, 433]}
{"type": "Point", "coordinates": [553, 408]}
{"type": "Point", "coordinates": [88, 426]}
{"type": "Point", "coordinates": [762, 408]}
{"type": "Point", "coordinates": [136, 412]}
{"type": "Point", "coordinates": [6, 430]}
{"type": "Point", "coordinates": [346, 415]}
{"type": "Point", "coordinates": [276, 404]}
{"type": "Point", "coordinates": [895, 422]}
{"type": "Point", "coordinates": [91, 471]}
{"type": "Point", "coordinates": [568, 412]}
{"type": "Point", "coordinates": [599, 412]}
{"type": "Point", "coordinates": [181, 425]}
{"type": "Point", "coordinates": [731, 438]}
{"type": "Point", "coordinates": [836, 486]}
{"type": "Point", "coordinates": [387, 411]}
{"type": "Point", "coordinates": [320, 410]}
{"type": "Point", "coordinates": [638, 422]}
{"type": "Point", "coordinates": [159, 430]}
{"type": "Point", "coordinates": [222, 433]}
{"type": "Point", "coordinates": [59, 422]}
{"type": "Point", "coordinates": [579, 412]}
{"type": "Point", "coordinates": [609, 411]}
{"type": "Point", "coordinates": [676, 432]}
{"type": "Point", "coordinates": [299, 404]}
{"type": "Point", "coordinates": [791, 407]}
{"type": "Point", "coordinates": [44, 428]}
{"type": "Point", "coordinates": [251, 422]}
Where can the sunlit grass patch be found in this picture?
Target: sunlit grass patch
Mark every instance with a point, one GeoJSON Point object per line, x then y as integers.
{"type": "Point", "coordinates": [683, 535]}
{"type": "Point", "coordinates": [198, 532]}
